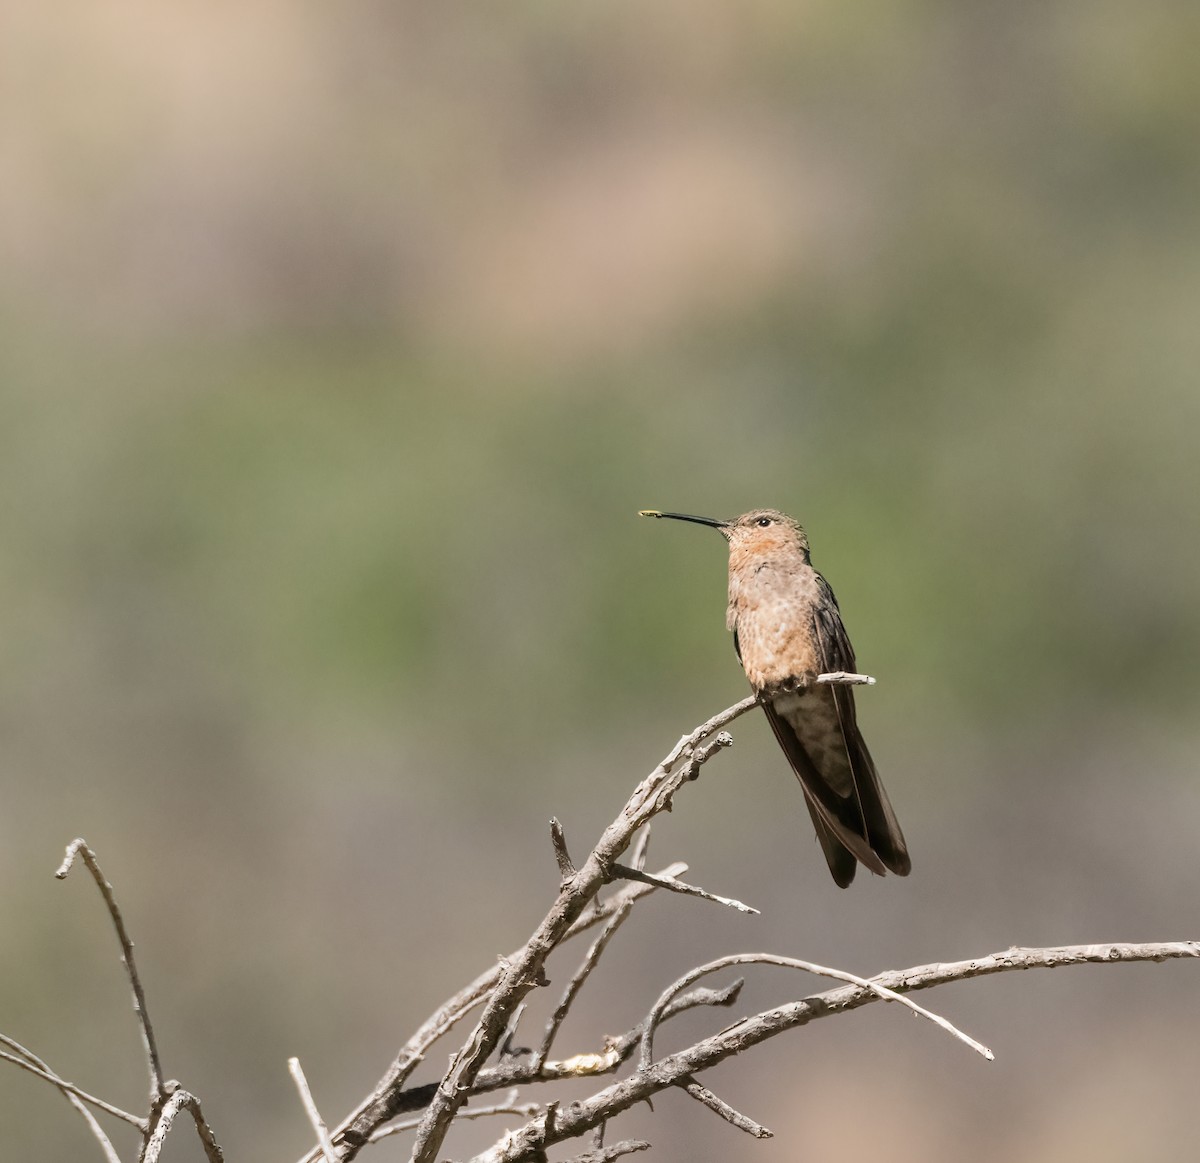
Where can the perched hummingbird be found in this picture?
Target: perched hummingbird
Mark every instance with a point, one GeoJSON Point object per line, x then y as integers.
{"type": "Point", "coordinates": [787, 629]}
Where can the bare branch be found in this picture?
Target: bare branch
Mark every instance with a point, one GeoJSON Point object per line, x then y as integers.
{"type": "Point", "coordinates": [580, 975]}
{"type": "Point", "coordinates": [845, 678]}
{"type": "Point", "coordinates": [688, 742]}
{"type": "Point", "coordinates": [384, 1102]}
{"type": "Point", "coordinates": [621, 871]}
{"type": "Point", "coordinates": [582, 1116]}
{"type": "Point", "coordinates": [618, 1050]}
{"type": "Point", "coordinates": [310, 1109]}
{"type": "Point", "coordinates": [652, 796]}
{"type": "Point", "coordinates": [502, 991]}
{"type": "Point", "coordinates": [80, 848]}
{"type": "Point", "coordinates": [509, 1106]}
{"type": "Point", "coordinates": [652, 1019]}
{"type": "Point", "coordinates": [590, 960]}
{"type": "Point", "coordinates": [607, 1154]}
{"type": "Point", "coordinates": [719, 1106]}
{"type": "Point", "coordinates": [177, 1101]}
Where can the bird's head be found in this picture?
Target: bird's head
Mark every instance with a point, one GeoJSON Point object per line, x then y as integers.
{"type": "Point", "coordinates": [761, 533]}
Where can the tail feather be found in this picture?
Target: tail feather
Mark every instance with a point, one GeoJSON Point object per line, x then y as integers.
{"type": "Point", "coordinates": [850, 809]}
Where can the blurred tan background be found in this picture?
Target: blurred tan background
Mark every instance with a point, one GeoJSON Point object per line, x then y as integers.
{"type": "Point", "coordinates": [338, 347]}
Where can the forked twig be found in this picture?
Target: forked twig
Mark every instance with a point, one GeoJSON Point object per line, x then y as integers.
{"type": "Point", "coordinates": [722, 719]}
{"type": "Point", "coordinates": [603, 1106]}
{"type": "Point", "coordinates": [652, 795]}
{"type": "Point", "coordinates": [180, 1100]}
{"type": "Point", "coordinates": [503, 989]}
{"type": "Point", "coordinates": [588, 1065]}
{"type": "Point", "coordinates": [388, 1099]}
{"type": "Point", "coordinates": [653, 1017]}
{"type": "Point", "coordinates": [589, 962]}
{"type": "Point", "coordinates": [500, 991]}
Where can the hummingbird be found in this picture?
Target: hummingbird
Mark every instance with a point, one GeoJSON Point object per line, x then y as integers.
{"type": "Point", "coordinates": [787, 629]}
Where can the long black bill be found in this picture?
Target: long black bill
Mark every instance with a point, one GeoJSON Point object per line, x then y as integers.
{"type": "Point", "coordinates": [685, 517]}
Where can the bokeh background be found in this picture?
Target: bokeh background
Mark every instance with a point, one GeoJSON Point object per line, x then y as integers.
{"type": "Point", "coordinates": [338, 347]}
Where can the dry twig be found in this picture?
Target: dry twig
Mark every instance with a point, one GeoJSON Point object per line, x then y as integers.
{"type": "Point", "coordinates": [652, 1019]}
{"type": "Point", "coordinates": [524, 971]}
{"type": "Point", "coordinates": [167, 1099]}
{"type": "Point", "coordinates": [845, 678]}
{"type": "Point", "coordinates": [590, 960]}
{"type": "Point", "coordinates": [621, 872]}
{"type": "Point", "coordinates": [529, 1141]}
{"type": "Point", "coordinates": [80, 848]}
{"type": "Point", "coordinates": [509, 1106]}
{"type": "Point", "coordinates": [719, 1106]}
{"type": "Point", "coordinates": [310, 1108]}
{"type": "Point", "coordinates": [180, 1100]}
{"type": "Point", "coordinates": [384, 1102]}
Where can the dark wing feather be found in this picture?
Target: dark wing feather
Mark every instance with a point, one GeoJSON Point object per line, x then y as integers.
{"type": "Point", "coordinates": [836, 818]}
{"type": "Point", "coordinates": [880, 827]}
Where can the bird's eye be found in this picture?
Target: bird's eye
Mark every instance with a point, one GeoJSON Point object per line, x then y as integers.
{"type": "Point", "coordinates": [763, 522]}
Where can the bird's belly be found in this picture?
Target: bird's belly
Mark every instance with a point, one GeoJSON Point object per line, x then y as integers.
{"type": "Point", "coordinates": [776, 650]}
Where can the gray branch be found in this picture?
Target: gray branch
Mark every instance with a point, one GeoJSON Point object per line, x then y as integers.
{"type": "Point", "coordinates": [621, 872]}
{"type": "Point", "coordinates": [502, 990]}
{"type": "Point", "coordinates": [524, 971]}
{"type": "Point", "coordinates": [500, 993]}
{"type": "Point", "coordinates": [592, 957]}
{"type": "Point", "coordinates": [616, 1051]}
{"type": "Point", "coordinates": [845, 678]}
{"type": "Point", "coordinates": [180, 1100]}
{"type": "Point", "coordinates": [720, 1107]}
{"type": "Point", "coordinates": [385, 1102]}
{"type": "Point", "coordinates": [530, 1141]}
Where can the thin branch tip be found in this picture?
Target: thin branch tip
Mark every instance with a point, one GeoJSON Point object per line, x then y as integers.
{"type": "Point", "coordinates": [558, 839]}
{"type": "Point", "coordinates": [720, 1107]}
{"type": "Point", "coordinates": [73, 850]}
{"type": "Point", "coordinates": [320, 1129]}
{"type": "Point", "coordinates": [845, 678]}
{"type": "Point", "coordinates": [79, 847]}
{"type": "Point", "coordinates": [621, 871]}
